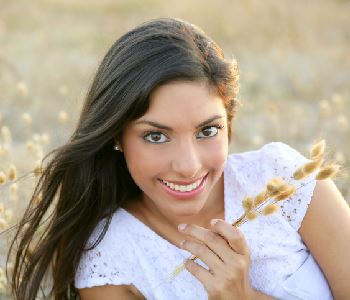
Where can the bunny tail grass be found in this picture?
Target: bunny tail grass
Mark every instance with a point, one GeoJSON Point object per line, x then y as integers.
{"type": "Point", "coordinates": [177, 271]}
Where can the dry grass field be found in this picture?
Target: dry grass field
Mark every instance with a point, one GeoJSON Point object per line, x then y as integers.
{"type": "Point", "coordinates": [293, 57]}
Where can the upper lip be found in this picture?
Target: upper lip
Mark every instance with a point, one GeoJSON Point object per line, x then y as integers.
{"type": "Point", "coordinates": [185, 182]}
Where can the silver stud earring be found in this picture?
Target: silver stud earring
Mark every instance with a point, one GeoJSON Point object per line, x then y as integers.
{"type": "Point", "coordinates": [117, 148]}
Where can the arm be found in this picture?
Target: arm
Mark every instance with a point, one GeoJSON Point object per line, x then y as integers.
{"type": "Point", "coordinates": [326, 232]}
{"type": "Point", "coordinates": [260, 296]}
{"type": "Point", "coordinates": [110, 292]}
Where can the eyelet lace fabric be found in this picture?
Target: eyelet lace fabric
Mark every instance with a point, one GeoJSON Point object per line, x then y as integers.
{"type": "Point", "coordinates": [132, 253]}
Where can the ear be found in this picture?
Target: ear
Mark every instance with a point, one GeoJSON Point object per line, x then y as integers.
{"type": "Point", "coordinates": [117, 140]}
{"type": "Point", "coordinates": [118, 145]}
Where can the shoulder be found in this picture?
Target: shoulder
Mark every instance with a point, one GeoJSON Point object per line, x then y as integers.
{"type": "Point", "coordinates": [268, 153]}
{"type": "Point", "coordinates": [104, 260]}
{"type": "Point", "coordinates": [253, 169]}
{"type": "Point", "coordinates": [272, 159]}
{"type": "Point", "coordinates": [327, 239]}
{"type": "Point", "coordinates": [107, 234]}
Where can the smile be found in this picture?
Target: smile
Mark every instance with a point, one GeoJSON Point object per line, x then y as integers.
{"type": "Point", "coordinates": [184, 191]}
{"type": "Point", "coordinates": [183, 188]}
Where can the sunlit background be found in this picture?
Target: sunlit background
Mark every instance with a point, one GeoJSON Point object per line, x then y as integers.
{"type": "Point", "coordinates": [294, 61]}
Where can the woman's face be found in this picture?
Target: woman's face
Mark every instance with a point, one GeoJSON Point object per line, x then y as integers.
{"type": "Point", "coordinates": [182, 139]}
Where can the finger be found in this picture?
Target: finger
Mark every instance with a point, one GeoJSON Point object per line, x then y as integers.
{"type": "Point", "coordinates": [232, 235]}
{"type": "Point", "coordinates": [216, 243]}
{"type": "Point", "coordinates": [200, 250]}
{"type": "Point", "coordinates": [202, 274]}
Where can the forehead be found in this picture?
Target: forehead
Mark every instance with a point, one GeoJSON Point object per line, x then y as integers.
{"type": "Point", "coordinates": [184, 100]}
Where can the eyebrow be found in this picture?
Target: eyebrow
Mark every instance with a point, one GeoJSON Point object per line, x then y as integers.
{"type": "Point", "coordinates": [162, 126]}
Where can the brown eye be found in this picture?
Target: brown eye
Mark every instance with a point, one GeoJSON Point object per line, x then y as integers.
{"type": "Point", "coordinates": [155, 137]}
{"type": "Point", "coordinates": [210, 131]}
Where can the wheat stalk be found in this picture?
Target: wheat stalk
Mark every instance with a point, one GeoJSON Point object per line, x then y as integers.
{"type": "Point", "coordinates": [279, 190]}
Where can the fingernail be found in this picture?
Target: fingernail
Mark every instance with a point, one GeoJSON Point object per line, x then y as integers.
{"type": "Point", "coordinates": [214, 221]}
{"type": "Point", "coordinates": [181, 227]}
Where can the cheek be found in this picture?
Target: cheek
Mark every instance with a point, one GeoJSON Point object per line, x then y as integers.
{"type": "Point", "coordinates": [215, 154]}
{"type": "Point", "coordinates": [215, 160]}
{"type": "Point", "coordinates": [142, 164]}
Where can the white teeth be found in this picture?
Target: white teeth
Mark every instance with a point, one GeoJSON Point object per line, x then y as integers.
{"type": "Point", "coordinates": [183, 188]}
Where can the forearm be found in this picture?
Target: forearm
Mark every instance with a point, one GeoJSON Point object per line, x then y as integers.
{"type": "Point", "coordinates": [260, 296]}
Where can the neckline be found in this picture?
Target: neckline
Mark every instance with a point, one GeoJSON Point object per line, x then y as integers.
{"type": "Point", "coordinates": [150, 231]}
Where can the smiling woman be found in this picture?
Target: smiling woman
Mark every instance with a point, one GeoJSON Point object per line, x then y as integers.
{"type": "Point", "coordinates": [177, 159]}
{"type": "Point", "coordinates": [164, 98]}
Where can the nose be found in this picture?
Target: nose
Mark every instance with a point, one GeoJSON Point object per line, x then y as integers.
{"type": "Point", "coordinates": [186, 161]}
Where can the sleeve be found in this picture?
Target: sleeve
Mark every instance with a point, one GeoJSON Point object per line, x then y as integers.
{"type": "Point", "coordinates": [107, 263]}
{"type": "Point", "coordinates": [285, 160]}
{"type": "Point", "coordinates": [307, 282]}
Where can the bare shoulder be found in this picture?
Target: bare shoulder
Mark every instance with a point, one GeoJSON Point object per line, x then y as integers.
{"type": "Point", "coordinates": [110, 292]}
{"type": "Point", "coordinates": [325, 230]}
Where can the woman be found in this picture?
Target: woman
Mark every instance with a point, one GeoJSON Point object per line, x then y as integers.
{"type": "Point", "coordinates": [150, 152]}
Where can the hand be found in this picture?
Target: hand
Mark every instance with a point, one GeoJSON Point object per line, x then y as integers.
{"type": "Point", "coordinates": [225, 251]}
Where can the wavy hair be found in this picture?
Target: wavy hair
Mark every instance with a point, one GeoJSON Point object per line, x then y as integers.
{"type": "Point", "coordinates": [86, 180]}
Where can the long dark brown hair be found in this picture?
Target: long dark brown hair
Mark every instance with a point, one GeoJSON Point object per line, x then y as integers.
{"type": "Point", "coordinates": [86, 180]}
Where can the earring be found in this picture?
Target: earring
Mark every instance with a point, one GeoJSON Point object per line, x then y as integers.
{"type": "Point", "coordinates": [117, 148]}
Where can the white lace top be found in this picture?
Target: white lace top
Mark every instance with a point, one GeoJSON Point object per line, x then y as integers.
{"type": "Point", "coordinates": [281, 265]}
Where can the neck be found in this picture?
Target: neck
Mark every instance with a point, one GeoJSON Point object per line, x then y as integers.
{"type": "Point", "coordinates": [214, 208]}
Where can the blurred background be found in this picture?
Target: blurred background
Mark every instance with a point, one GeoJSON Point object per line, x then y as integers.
{"type": "Point", "coordinates": [293, 56]}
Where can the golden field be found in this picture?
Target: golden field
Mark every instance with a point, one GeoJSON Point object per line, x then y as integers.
{"type": "Point", "coordinates": [293, 56]}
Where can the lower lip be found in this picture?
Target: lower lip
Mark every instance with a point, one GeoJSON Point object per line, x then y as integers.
{"type": "Point", "coordinates": [186, 195]}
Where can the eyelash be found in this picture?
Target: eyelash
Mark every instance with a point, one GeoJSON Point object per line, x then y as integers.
{"type": "Point", "coordinates": [218, 127]}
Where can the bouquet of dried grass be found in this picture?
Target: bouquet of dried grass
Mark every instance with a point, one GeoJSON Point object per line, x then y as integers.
{"type": "Point", "coordinates": [277, 190]}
